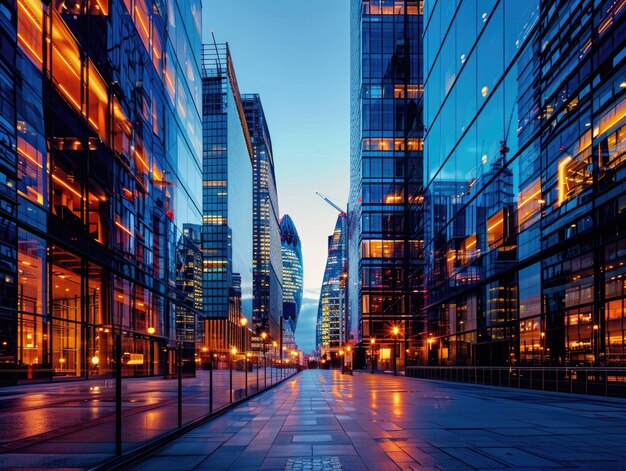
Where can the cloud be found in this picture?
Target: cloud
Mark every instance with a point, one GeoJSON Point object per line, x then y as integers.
{"type": "Point", "coordinates": [305, 330]}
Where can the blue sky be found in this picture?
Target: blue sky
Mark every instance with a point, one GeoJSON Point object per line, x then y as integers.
{"type": "Point", "coordinates": [296, 55]}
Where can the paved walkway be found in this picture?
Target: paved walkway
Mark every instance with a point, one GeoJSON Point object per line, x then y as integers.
{"type": "Point", "coordinates": [323, 420]}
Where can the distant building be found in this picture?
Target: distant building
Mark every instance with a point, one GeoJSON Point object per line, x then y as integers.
{"type": "Point", "coordinates": [332, 328]}
{"type": "Point", "coordinates": [189, 285]}
{"type": "Point", "coordinates": [268, 265]}
{"type": "Point", "coordinates": [227, 202]}
{"type": "Point", "coordinates": [292, 277]}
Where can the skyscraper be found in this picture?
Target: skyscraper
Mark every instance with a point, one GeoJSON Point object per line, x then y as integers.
{"type": "Point", "coordinates": [526, 107]}
{"type": "Point", "coordinates": [386, 173]}
{"type": "Point", "coordinates": [292, 276]}
{"type": "Point", "coordinates": [268, 265]}
{"type": "Point", "coordinates": [227, 201]}
{"type": "Point", "coordinates": [332, 314]}
{"type": "Point", "coordinates": [100, 169]}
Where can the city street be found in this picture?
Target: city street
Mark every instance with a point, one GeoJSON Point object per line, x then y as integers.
{"type": "Point", "coordinates": [323, 420]}
{"type": "Point", "coordinates": [72, 424]}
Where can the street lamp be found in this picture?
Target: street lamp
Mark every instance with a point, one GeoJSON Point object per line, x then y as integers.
{"type": "Point", "coordinates": [274, 345]}
{"type": "Point", "coordinates": [264, 338]}
{"type": "Point", "coordinates": [596, 328]}
{"type": "Point", "coordinates": [233, 352]}
{"type": "Point", "coordinates": [395, 331]}
{"type": "Point", "coordinates": [430, 346]}
{"type": "Point", "coordinates": [244, 322]}
{"type": "Point", "coordinates": [341, 355]}
{"type": "Point", "coordinates": [372, 342]}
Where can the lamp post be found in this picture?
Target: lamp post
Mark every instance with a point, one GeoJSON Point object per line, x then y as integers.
{"type": "Point", "coordinates": [342, 364]}
{"type": "Point", "coordinates": [596, 329]}
{"type": "Point", "coordinates": [372, 342]}
{"type": "Point", "coordinates": [430, 346]}
{"type": "Point", "coordinates": [274, 344]}
{"type": "Point", "coordinates": [233, 352]}
{"type": "Point", "coordinates": [264, 338]}
{"type": "Point", "coordinates": [244, 322]}
{"type": "Point", "coordinates": [543, 346]}
{"type": "Point", "coordinates": [395, 332]}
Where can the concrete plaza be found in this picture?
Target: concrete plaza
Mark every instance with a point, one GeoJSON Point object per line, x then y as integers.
{"type": "Point", "coordinates": [324, 420]}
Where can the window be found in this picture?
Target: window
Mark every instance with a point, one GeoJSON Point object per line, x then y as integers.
{"type": "Point", "coordinates": [30, 172]}
{"type": "Point", "coordinates": [30, 29]}
{"type": "Point", "coordinates": [574, 174]}
{"type": "Point", "coordinates": [65, 62]}
{"type": "Point", "coordinates": [496, 228]}
{"type": "Point", "coordinates": [529, 203]}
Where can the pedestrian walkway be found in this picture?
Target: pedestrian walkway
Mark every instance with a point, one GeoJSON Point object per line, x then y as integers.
{"type": "Point", "coordinates": [324, 420]}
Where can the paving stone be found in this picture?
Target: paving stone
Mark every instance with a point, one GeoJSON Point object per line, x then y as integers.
{"type": "Point", "coordinates": [381, 423]}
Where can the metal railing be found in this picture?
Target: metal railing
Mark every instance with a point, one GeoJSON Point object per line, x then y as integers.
{"type": "Point", "coordinates": [113, 417]}
{"type": "Point", "coordinates": [597, 381]}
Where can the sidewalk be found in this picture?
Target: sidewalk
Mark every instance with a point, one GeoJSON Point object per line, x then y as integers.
{"type": "Point", "coordinates": [323, 420]}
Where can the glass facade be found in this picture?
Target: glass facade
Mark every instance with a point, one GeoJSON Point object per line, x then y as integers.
{"type": "Point", "coordinates": [99, 170]}
{"type": "Point", "coordinates": [227, 193]}
{"type": "Point", "coordinates": [332, 315]}
{"type": "Point", "coordinates": [293, 275]}
{"type": "Point", "coordinates": [267, 262]}
{"type": "Point", "coordinates": [525, 111]}
{"type": "Point", "coordinates": [385, 247]}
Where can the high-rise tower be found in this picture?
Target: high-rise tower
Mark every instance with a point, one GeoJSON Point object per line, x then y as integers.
{"type": "Point", "coordinates": [268, 272]}
{"type": "Point", "coordinates": [227, 201]}
{"type": "Point", "coordinates": [292, 276]}
{"type": "Point", "coordinates": [331, 327]}
{"type": "Point", "coordinates": [386, 173]}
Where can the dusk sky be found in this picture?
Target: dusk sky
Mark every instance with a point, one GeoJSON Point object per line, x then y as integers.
{"type": "Point", "coordinates": [296, 56]}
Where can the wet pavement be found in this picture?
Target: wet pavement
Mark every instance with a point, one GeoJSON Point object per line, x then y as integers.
{"type": "Point", "coordinates": [322, 420]}
{"type": "Point", "coordinates": [72, 424]}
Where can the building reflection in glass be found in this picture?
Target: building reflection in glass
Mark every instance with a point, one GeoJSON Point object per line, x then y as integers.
{"type": "Point", "coordinates": [524, 170]}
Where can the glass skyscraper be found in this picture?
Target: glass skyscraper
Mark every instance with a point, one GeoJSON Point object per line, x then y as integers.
{"type": "Point", "coordinates": [100, 169]}
{"type": "Point", "coordinates": [385, 251]}
{"type": "Point", "coordinates": [525, 201]}
{"type": "Point", "coordinates": [227, 200]}
{"type": "Point", "coordinates": [332, 313]}
{"type": "Point", "coordinates": [293, 276]}
{"type": "Point", "coordinates": [268, 265]}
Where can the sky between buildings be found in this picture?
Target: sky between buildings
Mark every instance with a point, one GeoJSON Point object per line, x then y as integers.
{"type": "Point", "coordinates": [296, 55]}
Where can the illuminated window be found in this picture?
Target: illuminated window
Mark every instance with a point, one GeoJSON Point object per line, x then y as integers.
{"type": "Point", "coordinates": [415, 144]}
{"type": "Point", "coordinates": [529, 203]}
{"type": "Point", "coordinates": [65, 62]}
{"type": "Point", "coordinates": [122, 130]}
{"type": "Point", "coordinates": [30, 172]}
{"type": "Point", "coordinates": [66, 196]}
{"type": "Point", "coordinates": [98, 103]}
{"type": "Point", "coordinates": [391, 7]}
{"type": "Point", "coordinates": [470, 248]}
{"type": "Point", "coordinates": [30, 29]}
{"type": "Point", "coordinates": [574, 175]}
{"type": "Point", "coordinates": [142, 22]}
{"type": "Point", "coordinates": [495, 229]}
{"type": "Point", "coordinates": [382, 249]}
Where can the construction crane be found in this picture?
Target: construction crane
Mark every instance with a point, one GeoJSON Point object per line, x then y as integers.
{"type": "Point", "coordinates": [330, 202]}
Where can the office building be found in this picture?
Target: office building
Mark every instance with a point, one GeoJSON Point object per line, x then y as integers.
{"type": "Point", "coordinates": [525, 111]}
{"type": "Point", "coordinates": [332, 327]}
{"type": "Point", "coordinates": [293, 278]}
{"type": "Point", "coordinates": [268, 266]}
{"type": "Point", "coordinates": [99, 171]}
{"type": "Point", "coordinates": [385, 248]}
{"type": "Point", "coordinates": [227, 202]}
